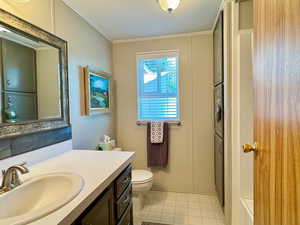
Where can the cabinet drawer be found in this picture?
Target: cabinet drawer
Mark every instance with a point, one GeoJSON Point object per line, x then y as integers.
{"type": "Point", "coordinates": [122, 182]}
{"type": "Point", "coordinates": [127, 217]}
{"type": "Point", "coordinates": [124, 201]}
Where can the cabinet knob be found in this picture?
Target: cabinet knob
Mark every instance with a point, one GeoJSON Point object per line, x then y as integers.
{"type": "Point", "coordinates": [126, 200]}
{"type": "Point", "coordinates": [250, 148]}
{"type": "Point", "coordinates": [126, 180]}
{"type": "Point", "coordinates": [218, 113]}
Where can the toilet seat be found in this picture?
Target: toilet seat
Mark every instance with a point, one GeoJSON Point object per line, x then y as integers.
{"type": "Point", "coordinates": [141, 176]}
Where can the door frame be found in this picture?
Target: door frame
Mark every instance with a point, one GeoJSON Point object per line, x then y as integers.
{"type": "Point", "coordinates": [235, 113]}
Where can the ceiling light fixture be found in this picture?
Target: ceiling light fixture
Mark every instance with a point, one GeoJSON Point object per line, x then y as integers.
{"type": "Point", "coordinates": [169, 5]}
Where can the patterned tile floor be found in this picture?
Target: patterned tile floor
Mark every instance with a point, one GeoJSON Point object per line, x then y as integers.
{"type": "Point", "coordinates": [179, 209]}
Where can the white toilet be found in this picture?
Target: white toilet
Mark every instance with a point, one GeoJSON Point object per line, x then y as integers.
{"type": "Point", "coordinates": [142, 181]}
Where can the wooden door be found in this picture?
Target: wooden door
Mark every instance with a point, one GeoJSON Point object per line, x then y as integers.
{"type": "Point", "coordinates": [277, 112]}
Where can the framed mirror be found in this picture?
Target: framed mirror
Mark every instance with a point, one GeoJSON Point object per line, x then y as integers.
{"type": "Point", "coordinates": [33, 79]}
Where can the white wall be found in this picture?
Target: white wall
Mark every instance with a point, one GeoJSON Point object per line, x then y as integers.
{"type": "Point", "coordinates": [246, 114]}
{"type": "Point", "coordinates": [47, 76]}
{"type": "Point", "coordinates": [86, 47]}
{"type": "Point", "coordinates": [191, 165]}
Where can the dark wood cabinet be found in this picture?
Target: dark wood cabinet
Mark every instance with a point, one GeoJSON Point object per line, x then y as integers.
{"type": "Point", "coordinates": [127, 218]}
{"type": "Point", "coordinates": [113, 206]}
{"type": "Point", "coordinates": [122, 182]}
{"type": "Point", "coordinates": [219, 108]}
{"type": "Point", "coordinates": [123, 203]}
{"type": "Point", "coordinates": [219, 168]}
{"type": "Point", "coordinates": [101, 212]}
{"type": "Point", "coordinates": [218, 52]}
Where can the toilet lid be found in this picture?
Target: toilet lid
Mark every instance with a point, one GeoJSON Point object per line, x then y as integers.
{"type": "Point", "coordinates": [141, 176]}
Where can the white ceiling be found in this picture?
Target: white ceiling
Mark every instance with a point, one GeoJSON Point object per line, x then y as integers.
{"type": "Point", "coordinates": [126, 19]}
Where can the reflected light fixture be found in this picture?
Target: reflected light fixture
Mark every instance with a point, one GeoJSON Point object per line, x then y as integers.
{"type": "Point", "coordinates": [4, 30]}
{"type": "Point", "coordinates": [169, 5]}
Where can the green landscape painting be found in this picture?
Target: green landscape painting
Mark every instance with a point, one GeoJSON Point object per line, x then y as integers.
{"type": "Point", "coordinates": [99, 92]}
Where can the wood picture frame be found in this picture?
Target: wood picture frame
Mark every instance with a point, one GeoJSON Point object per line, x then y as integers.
{"type": "Point", "coordinates": [97, 91]}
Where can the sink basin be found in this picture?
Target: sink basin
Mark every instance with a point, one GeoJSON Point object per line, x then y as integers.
{"type": "Point", "coordinates": [38, 197]}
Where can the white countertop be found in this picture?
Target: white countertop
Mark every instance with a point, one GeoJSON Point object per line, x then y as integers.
{"type": "Point", "coordinates": [97, 168]}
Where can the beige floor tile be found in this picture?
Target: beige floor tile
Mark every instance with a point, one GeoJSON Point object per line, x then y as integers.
{"type": "Point", "coordinates": [182, 197]}
{"type": "Point", "coordinates": [180, 209]}
{"type": "Point", "coordinates": [155, 210]}
{"type": "Point", "coordinates": [153, 216]}
{"type": "Point", "coordinates": [181, 204]}
{"type": "Point", "coordinates": [167, 219]}
{"type": "Point", "coordinates": [207, 221]}
{"type": "Point", "coordinates": [170, 203]}
{"type": "Point", "coordinates": [195, 220]}
{"type": "Point", "coordinates": [169, 210]}
{"type": "Point", "coordinates": [195, 212]}
{"type": "Point", "coordinates": [181, 219]}
{"type": "Point", "coordinates": [194, 205]}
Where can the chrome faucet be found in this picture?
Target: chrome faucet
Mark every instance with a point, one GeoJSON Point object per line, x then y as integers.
{"type": "Point", "coordinates": [10, 177]}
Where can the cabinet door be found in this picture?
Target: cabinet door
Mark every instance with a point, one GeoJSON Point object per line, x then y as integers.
{"type": "Point", "coordinates": [24, 105]}
{"type": "Point", "coordinates": [219, 168]}
{"type": "Point", "coordinates": [218, 52]}
{"type": "Point", "coordinates": [19, 67]}
{"type": "Point", "coordinates": [101, 212]}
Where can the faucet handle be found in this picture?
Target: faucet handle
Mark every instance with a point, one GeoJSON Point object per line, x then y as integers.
{"type": "Point", "coordinates": [22, 164]}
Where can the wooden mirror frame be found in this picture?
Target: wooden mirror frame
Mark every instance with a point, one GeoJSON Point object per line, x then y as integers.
{"type": "Point", "coordinates": [25, 28]}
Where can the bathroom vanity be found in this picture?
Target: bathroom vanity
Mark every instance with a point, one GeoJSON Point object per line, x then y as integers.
{"type": "Point", "coordinates": [98, 185]}
{"type": "Point", "coordinates": [113, 206]}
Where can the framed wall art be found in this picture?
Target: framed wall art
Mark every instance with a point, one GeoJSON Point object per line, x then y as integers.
{"type": "Point", "coordinates": [97, 92]}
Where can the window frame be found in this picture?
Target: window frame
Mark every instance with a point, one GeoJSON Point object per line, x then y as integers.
{"type": "Point", "coordinates": [157, 55]}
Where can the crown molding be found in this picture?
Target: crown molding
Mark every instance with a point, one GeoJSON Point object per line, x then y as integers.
{"type": "Point", "coordinates": [163, 37]}
{"type": "Point", "coordinates": [221, 8]}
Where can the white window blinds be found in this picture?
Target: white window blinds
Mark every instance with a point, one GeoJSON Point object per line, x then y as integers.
{"type": "Point", "coordinates": [158, 86]}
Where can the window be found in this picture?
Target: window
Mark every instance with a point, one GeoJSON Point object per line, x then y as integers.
{"type": "Point", "coordinates": [158, 86]}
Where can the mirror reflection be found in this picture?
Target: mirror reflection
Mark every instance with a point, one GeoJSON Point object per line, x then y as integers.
{"type": "Point", "coordinates": [30, 79]}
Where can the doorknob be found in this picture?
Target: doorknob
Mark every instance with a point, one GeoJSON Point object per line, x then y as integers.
{"type": "Point", "coordinates": [250, 148]}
